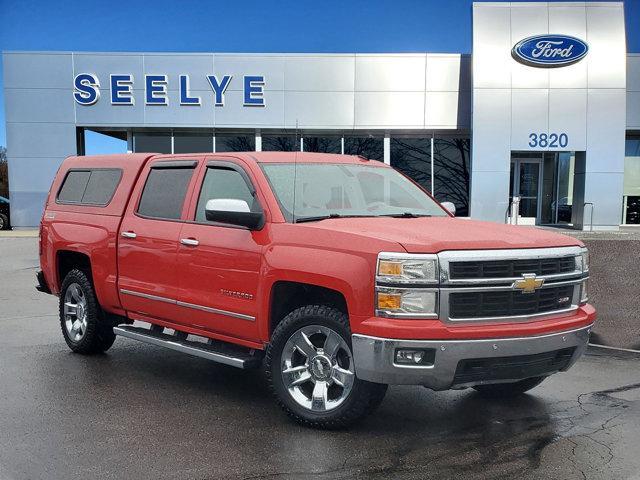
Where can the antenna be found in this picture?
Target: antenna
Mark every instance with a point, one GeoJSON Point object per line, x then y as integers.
{"type": "Point", "coordinates": [295, 173]}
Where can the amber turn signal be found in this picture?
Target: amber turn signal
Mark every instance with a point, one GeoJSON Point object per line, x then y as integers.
{"type": "Point", "coordinates": [389, 301]}
{"type": "Point", "coordinates": [386, 267]}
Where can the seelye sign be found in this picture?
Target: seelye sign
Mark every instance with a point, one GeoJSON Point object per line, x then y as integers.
{"type": "Point", "coordinates": [548, 51]}
{"type": "Point", "coordinates": [86, 89]}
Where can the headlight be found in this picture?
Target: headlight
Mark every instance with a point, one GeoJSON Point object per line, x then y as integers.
{"type": "Point", "coordinates": [406, 302]}
{"type": "Point", "coordinates": [584, 298]}
{"type": "Point", "coordinates": [582, 261]}
{"type": "Point", "coordinates": [585, 260]}
{"type": "Point", "coordinates": [405, 268]}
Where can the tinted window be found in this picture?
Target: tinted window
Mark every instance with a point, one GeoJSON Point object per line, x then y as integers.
{"type": "Point", "coordinates": [74, 186]}
{"type": "Point", "coordinates": [89, 187]}
{"type": "Point", "coordinates": [222, 183]}
{"type": "Point", "coordinates": [164, 193]}
{"type": "Point", "coordinates": [101, 186]}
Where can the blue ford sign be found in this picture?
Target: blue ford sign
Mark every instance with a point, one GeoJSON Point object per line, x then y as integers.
{"type": "Point", "coordinates": [549, 50]}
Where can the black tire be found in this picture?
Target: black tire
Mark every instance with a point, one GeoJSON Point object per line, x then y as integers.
{"type": "Point", "coordinates": [361, 400]}
{"type": "Point", "coordinates": [97, 335]}
{"type": "Point", "coordinates": [508, 390]}
{"type": "Point", "coordinates": [4, 222]}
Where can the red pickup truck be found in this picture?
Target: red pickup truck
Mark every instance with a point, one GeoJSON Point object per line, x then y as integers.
{"type": "Point", "coordinates": [337, 275]}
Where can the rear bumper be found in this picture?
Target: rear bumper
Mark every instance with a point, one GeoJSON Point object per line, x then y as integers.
{"type": "Point", "coordinates": [461, 363]}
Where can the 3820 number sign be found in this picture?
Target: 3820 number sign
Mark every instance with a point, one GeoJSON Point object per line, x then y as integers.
{"type": "Point", "coordinates": [551, 140]}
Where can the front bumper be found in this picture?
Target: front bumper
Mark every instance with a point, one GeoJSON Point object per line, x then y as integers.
{"type": "Point", "coordinates": [462, 363]}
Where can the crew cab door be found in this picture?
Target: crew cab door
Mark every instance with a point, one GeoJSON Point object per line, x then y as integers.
{"type": "Point", "coordinates": [219, 264]}
{"type": "Point", "coordinates": [149, 237]}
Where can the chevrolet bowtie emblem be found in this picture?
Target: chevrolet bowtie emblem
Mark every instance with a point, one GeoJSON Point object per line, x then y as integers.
{"type": "Point", "coordinates": [528, 283]}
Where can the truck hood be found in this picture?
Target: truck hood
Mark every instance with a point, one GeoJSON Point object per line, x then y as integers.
{"type": "Point", "coordinates": [436, 234]}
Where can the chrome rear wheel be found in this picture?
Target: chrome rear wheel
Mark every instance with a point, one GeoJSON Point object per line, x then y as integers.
{"type": "Point", "coordinates": [83, 323]}
{"type": "Point", "coordinates": [75, 312]}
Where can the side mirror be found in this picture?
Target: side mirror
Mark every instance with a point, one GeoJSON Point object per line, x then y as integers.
{"type": "Point", "coordinates": [450, 206]}
{"type": "Point", "coordinates": [234, 212]}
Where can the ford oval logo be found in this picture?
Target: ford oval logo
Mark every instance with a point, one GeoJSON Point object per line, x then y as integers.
{"type": "Point", "coordinates": [549, 50]}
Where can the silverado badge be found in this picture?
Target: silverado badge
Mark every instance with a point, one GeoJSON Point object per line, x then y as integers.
{"type": "Point", "coordinates": [528, 283]}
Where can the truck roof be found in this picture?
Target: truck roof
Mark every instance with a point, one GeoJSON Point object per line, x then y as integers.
{"type": "Point", "coordinates": [136, 160]}
{"type": "Point", "coordinates": [305, 157]}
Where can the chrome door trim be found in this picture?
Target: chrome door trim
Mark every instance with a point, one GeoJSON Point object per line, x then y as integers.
{"type": "Point", "coordinates": [172, 301]}
{"type": "Point", "coordinates": [147, 296]}
{"type": "Point", "coordinates": [241, 316]}
{"type": "Point", "coordinates": [128, 234]}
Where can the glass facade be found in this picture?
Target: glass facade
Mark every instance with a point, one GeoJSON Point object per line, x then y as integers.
{"type": "Point", "coordinates": [452, 172]}
{"type": "Point", "coordinates": [152, 142]}
{"type": "Point", "coordinates": [280, 143]}
{"type": "Point", "coordinates": [631, 185]}
{"type": "Point", "coordinates": [229, 142]}
{"type": "Point", "coordinates": [440, 164]}
{"type": "Point", "coordinates": [186, 142]}
{"type": "Point", "coordinates": [448, 178]}
{"type": "Point", "coordinates": [369, 147]}
{"type": "Point", "coordinates": [322, 144]}
{"type": "Point", "coordinates": [412, 156]}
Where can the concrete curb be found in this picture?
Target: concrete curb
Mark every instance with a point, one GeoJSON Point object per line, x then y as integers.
{"type": "Point", "coordinates": [18, 233]}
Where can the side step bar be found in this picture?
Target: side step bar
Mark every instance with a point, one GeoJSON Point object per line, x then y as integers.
{"type": "Point", "coordinates": [220, 352]}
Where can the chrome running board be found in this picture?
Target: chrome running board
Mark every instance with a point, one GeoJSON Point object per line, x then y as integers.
{"type": "Point", "coordinates": [221, 352]}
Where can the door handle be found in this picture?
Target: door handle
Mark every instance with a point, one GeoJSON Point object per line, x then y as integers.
{"type": "Point", "coordinates": [128, 234]}
{"type": "Point", "coordinates": [192, 242]}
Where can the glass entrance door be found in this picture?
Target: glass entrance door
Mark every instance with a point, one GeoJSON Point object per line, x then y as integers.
{"type": "Point", "coordinates": [557, 188]}
{"type": "Point", "coordinates": [525, 188]}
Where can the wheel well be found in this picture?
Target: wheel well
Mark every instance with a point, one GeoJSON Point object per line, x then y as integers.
{"type": "Point", "coordinates": [287, 296]}
{"type": "Point", "coordinates": [68, 260]}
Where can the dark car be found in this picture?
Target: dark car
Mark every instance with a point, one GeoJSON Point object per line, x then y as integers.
{"type": "Point", "coordinates": [4, 213]}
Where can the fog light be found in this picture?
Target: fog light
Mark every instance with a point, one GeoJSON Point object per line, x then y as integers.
{"type": "Point", "coordinates": [414, 356]}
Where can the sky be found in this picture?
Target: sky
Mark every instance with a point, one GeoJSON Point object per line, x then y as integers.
{"type": "Point", "coordinates": [396, 26]}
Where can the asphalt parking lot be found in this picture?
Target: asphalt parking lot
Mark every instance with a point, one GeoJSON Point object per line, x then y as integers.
{"type": "Point", "coordinates": [143, 412]}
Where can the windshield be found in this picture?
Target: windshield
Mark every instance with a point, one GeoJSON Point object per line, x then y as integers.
{"type": "Point", "coordinates": [327, 190]}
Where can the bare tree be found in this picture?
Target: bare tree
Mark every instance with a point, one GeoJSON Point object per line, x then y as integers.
{"type": "Point", "coordinates": [239, 143]}
{"type": "Point", "coordinates": [452, 178]}
{"type": "Point", "coordinates": [280, 143]}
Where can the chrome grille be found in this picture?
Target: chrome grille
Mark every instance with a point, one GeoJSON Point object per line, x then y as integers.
{"type": "Point", "coordinates": [479, 285]}
{"type": "Point", "coordinates": [509, 303]}
{"type": "Point", "coordinates": [511, 268]}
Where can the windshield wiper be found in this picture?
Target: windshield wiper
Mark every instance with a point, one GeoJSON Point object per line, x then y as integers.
{"type": "Point", "coordinates": [406, 215]}
{"type": "Point", "coordinates": [325, 217]}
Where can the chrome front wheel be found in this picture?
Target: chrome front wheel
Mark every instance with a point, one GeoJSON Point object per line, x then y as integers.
{"type": "Point", "coordinates": [317, 368]}
{"type": "Point", "coordinates": [311, 370]}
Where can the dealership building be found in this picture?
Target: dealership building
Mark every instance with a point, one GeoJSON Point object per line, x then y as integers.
{"type": "Point", "coordinates": [539, 125]}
